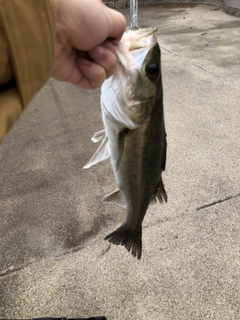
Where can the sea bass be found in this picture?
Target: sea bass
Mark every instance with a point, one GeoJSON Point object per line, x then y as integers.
{"type": "Point", "coordinates": [134, 136]}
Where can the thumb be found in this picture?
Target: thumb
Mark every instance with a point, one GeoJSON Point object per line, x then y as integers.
{"type": "Point", "coordinates": [116, 24]}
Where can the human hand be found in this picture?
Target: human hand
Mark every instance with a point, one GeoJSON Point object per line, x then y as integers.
{"type": "Point", "coordinates": [84, 52]}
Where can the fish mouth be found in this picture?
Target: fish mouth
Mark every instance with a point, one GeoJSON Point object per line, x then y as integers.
{"type": "Point", "coordinates": [144, 32]}
{"type": "Point", "coordinates": [134, 40]}
{"type": "Point", "coordinates": [148, 33]}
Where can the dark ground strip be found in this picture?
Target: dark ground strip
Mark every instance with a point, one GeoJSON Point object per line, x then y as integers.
{"type": "Point", "coordinates": [218, 201]}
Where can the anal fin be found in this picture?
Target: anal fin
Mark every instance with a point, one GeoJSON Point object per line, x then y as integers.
{"type": "Point", "coordinates": [159, 195]}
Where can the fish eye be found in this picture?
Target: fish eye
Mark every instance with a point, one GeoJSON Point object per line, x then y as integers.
{"type": "Point", "coordinates": [152, 70]}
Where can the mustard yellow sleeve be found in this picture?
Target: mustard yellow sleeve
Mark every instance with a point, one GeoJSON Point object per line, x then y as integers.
{"type": "Point", "coordinates": [27, 35]}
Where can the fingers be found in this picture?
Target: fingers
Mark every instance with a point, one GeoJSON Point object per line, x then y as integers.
{"type": "Point", "coordinates": [92, 75]}
{"type": "Point", "coordinates": [86, 69]}
{"type": "Point", "coordinates": [105, 56]}
{"type": "Point", "coordinates": [83, 53]}
{"type": "Point", "coordinates": [101, 67]}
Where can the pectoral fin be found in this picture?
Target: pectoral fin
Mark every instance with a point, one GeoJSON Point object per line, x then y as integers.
{"type": "Point", "coordinates": [100, 135]}
{"type": "Point", "coordinates": [121, 140]}
{"type": "Point", "coordinates": [159, 195]}
{"type": "Point", "coordinates": [102, 152]}
{"type": "Point", "coordinates": [115, 197]}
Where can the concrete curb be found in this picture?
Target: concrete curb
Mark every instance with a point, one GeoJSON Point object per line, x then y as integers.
{"type": "Point", "coordinates": [159, 2]}
{"type": "Point", "coordinates": [231, 7]}
{"type": "Point", "coordinates": [117, 4]}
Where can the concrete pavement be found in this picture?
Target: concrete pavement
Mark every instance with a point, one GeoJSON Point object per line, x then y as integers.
{"type": "Point", "coordinates": [54, 261]}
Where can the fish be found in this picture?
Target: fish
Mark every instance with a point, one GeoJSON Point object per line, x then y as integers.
{"type": "Point", "coordinates": [134, 135]}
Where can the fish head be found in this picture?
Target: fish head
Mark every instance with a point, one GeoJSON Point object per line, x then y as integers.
{"type": "Point", "coordinates": [129, 95]}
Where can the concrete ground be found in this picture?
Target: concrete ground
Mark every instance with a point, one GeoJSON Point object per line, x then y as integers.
{"type": "Point", "coordinates": [54, 261]}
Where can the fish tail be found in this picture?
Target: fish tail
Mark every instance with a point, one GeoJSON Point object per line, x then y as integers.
{"type": "Point", "coordinates": [132, 242]}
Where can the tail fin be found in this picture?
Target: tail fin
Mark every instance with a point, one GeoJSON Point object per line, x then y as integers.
{"type": "Point", "coordinates": [132, 242]}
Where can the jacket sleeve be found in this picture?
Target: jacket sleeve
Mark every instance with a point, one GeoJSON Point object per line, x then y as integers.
{"type": "Point", "coordinates": [27, 35]}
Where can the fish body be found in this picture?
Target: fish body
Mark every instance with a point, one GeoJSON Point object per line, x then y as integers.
{"type": "Point", "coordinates": [134, 136]}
